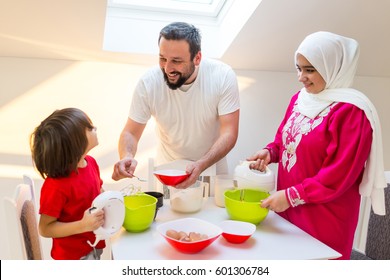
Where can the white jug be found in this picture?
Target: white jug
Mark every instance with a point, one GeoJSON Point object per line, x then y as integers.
{"type": "Point", "coordinates": [189, 200]}
{"type": "Point", "coordinates": [253, 179]}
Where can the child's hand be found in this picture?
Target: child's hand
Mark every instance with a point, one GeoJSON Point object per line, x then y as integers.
{"type": "Point", "coordinates": [93, 219]}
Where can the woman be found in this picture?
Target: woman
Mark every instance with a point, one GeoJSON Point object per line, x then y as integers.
{"type": "Point", "coordinates": [328, 146]}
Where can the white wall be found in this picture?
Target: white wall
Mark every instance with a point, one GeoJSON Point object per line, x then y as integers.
{"type": "Point", "coordinates": [32, 88]}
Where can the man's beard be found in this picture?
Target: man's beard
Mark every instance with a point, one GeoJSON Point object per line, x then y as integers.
{"type": "Point", "coordinates": [182, 79]}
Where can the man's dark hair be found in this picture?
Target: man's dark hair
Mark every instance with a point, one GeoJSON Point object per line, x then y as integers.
{"type": "Point", "coordinates": [183, 31]}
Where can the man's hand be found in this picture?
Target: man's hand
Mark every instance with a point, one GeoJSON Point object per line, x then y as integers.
{"type": "Point", "coordinates": [124, 168]}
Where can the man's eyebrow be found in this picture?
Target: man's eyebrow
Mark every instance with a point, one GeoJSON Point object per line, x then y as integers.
{"type": "Point", "coordinates": [175, 57]}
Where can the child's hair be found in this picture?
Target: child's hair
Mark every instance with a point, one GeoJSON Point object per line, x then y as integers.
{"type": "Point", "coordinates": [59, 142]}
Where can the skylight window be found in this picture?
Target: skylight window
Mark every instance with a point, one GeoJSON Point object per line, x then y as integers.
{"type": "Point", "coordinates": [206, 8]}
{"type": "Point", "coordinates": [133, 26]}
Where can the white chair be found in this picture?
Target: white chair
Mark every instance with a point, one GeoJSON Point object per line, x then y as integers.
{"type": "Point", "coordinates": [207, 175]}
{"type": "Point", "coordinates": [22, 227]}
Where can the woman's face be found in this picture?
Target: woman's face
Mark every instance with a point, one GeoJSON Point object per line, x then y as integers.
{"type": "Point", "coordinates": [309, 76]}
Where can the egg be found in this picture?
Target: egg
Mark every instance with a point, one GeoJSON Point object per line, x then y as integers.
{"type": "Point", "coordinates": [173, 234]}
{"type": "Point", "coordinates": [182, 235]}
{"type": "Point", "coordinates": [194, 236]}
{"type": "Point", "coordinates": [185, 239]}
{"type": "Point", "coordinates": [204, 236]}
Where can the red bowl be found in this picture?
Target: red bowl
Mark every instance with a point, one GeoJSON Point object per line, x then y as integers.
{"type": "Point", "coordinates": [237, 231]}
{"type": "Point", "coordinates": [171, 177]}
{"type": "Point", "coordinates": [188, 225]}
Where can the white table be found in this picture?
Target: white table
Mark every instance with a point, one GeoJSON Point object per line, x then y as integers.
{"type": "Point", "coordinates": [274, 239]}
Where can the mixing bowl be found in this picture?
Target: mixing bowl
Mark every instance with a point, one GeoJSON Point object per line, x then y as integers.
{"type": "Point", "coordinates": [237, 231]}
{"type": "Point", "coordinates": [158, 195]}
{"type": "Point", "coordinates": [140, 210]}
{"type": "Point", "coordinates": [171, 177]}
{"type": "Point", "coordinates": [244, 205]}
{"type": "Point", "coordinates": [188, 225]}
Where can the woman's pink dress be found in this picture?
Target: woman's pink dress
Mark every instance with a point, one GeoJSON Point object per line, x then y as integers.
{"type": "Point", "coordinates": [324, 159]}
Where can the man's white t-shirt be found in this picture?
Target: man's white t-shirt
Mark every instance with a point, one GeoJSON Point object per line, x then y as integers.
{"type": "Point", "coordinates": [187, 121]}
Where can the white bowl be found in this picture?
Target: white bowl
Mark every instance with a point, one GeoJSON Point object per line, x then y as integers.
{"type": "Point", "coordinates": [171, 177]}
{"type": "Point", "coordinates": [237, 231]}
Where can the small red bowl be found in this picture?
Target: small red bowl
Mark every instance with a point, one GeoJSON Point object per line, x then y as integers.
{"type": "Point", "coordinates": [171, 177]}
{"type": "Point", "coordinates": [237, 231]}
{"type": "Point", "coordinates": [190, 225]}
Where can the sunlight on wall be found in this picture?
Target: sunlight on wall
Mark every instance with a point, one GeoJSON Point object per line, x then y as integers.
{"type": "Point", "coordinates": [244, 82]}
{"type": "Point", "coordinates": [102, 90]}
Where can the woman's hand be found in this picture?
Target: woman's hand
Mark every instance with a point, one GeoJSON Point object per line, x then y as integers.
{"type": "Point", "coordinates": [261, 159]}
{"type": "Point", "coordinates": [276, 202]}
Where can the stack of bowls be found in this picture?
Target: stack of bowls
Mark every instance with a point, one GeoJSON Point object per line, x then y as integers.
{"type": "Point", "coordinates": [160, 200]}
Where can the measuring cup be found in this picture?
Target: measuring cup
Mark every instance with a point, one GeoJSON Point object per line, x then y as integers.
{"type": "Point", "coordinates": [191, 199]}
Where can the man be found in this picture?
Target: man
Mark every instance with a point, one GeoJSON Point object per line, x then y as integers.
{"type": "Point", "coordinates": [194, 101]}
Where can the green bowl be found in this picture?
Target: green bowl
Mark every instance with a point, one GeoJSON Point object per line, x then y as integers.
{"type": "Point", "coordinates": [248, 209]}
{"type": "Point", "coordinates": [139, 212]}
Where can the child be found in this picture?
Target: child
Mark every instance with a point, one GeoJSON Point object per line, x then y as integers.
{"type": "Point", "coordinates": [59, 147]}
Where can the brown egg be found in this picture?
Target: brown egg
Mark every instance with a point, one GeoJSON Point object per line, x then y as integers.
{"type": "Point", "coordinates": [194, 236]}
{"type": "Point", "coordinates": [173, 234]}
{"type": "Point", "coordinates": [185, 239]}
{"type": "Point", "coordinates": [182, 235]}
{"type": "Point", "coordinates": [204, 237]}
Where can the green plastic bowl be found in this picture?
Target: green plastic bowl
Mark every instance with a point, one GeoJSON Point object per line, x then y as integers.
{"type": "Point", "coordinates": [247, 210]}
{"type": "Point", "coordinates": [139, 212]}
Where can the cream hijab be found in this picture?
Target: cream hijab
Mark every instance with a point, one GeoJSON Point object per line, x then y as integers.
{"type": "Point", "coordinates": [335, 57]}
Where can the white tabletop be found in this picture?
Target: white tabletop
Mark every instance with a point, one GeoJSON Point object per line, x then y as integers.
{"type": "Point", "coordinates": [274, 239]}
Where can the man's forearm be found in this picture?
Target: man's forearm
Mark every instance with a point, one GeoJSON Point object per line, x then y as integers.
{"type": "Point", "coordinates": [218, 150]}
{"type": "Point", "coordinates": [127, 146]}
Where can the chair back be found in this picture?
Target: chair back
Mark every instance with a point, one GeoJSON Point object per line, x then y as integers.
{"type": "Point", "coordinates": [378, 234]}
{"type": "Point", "coordinates": [21, 217]}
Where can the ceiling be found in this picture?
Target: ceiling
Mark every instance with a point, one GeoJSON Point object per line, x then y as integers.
{"type": "Point", "coordinates": [74, 30]}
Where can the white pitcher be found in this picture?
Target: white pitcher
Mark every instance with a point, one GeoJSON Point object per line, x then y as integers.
{"type": "Point", "coordinates": [223, 183]}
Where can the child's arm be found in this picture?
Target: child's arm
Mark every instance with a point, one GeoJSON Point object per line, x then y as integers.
{"type": "Point", "coordinates": [51, 228]}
